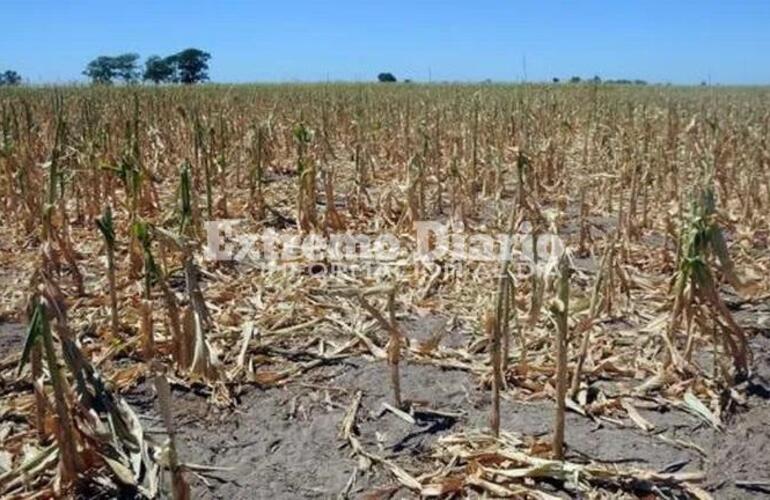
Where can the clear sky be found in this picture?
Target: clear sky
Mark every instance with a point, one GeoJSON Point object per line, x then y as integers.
{"type": "Point", "coordinates": [678, 41]}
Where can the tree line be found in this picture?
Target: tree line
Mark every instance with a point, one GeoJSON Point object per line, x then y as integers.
{"type": "Point", "coordinates": [597, 79]}
{"type": "Point", "coordinates": [188, 66]}
{"type": "Point", "coordinates": [191, 66]}
{"type": "Point", "coordinates": [9, 78]}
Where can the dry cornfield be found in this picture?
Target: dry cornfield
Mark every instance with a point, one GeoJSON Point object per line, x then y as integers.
{"type": "Point", "coordinates": [637, 364]}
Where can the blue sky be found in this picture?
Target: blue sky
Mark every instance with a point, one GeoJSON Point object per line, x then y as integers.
{"type": "Point", "coordinates": [682, 41]}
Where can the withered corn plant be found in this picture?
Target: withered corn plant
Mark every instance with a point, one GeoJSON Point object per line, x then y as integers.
{"type": "Point", "coordinates": [560, 311]}
{"type": "Point", "coordinates": [57, 242]}
{"type": "Point", "coordinates": [494, 333]}
{"type": "Point", "coordinates": [151, 276]}
{"type": "Point", "coordinates": [96, 434]}
{"type": "Point", "coordinates": [203, 161]}
{"type": "Point", "coordinates": [260, 152]}
{"type": "Point", "coordinates": [497, 327]}
{"type": "Point", "coordinates": [188, 223]}
{"type": "Point", "coordinates": [106, 227]}
{"type": "Point", "coordinates": [39, 331]}
{"type": "Point", "coordinates": [395, 337]}
{"type": "Point", "coordinates": [306, 180]}
{"type": "Point", "coordinates": [191, 345]}
{"type": "Point", "coordinates": [601, 292]}
{"type": "Point", "coordinates": [333, 220]}
{"type": "Point", "coordinates": [696, 292]}
{"type": "Point", "coordinates": [221, 139]}
{"type": "Point", "coordinates": [180, 489]}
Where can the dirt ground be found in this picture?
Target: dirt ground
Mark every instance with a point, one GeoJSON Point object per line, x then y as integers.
{"type": "Point", "coordinates": [11, 338]}
{"type": "Point", "coordinates": [285, 443]}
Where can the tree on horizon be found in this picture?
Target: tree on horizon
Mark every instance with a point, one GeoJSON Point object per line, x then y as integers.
{"type": "Point", "coordinates": [10, 78]}
{"type": "Point", "coordinates": [104, 69]}
{"type": "Point", "coordinates": [386, 78]}
{"type": "Point", "coordinates": [159, 70]}
{"type": "Point", "coordinates": [191, 65]}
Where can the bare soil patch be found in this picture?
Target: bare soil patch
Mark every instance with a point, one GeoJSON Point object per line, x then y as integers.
{"type": "Point", "coordinates": [285, 443]}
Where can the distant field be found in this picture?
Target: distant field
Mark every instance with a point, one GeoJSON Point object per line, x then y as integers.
{"type": "Point", "coordinates": [636, 296]}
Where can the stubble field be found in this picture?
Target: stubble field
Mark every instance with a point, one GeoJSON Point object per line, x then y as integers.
{"type": "Point", "coordinates": [621, 350]}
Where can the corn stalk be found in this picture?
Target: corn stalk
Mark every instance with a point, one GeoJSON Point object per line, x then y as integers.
{"type": "Point", "coordinates": [106, 227]}
{"type": "Point", "coordinates": [560, 310]}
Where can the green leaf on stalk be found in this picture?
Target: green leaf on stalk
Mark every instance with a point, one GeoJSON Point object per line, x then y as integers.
{"type": "Point", "coordinates": [37, 326]}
